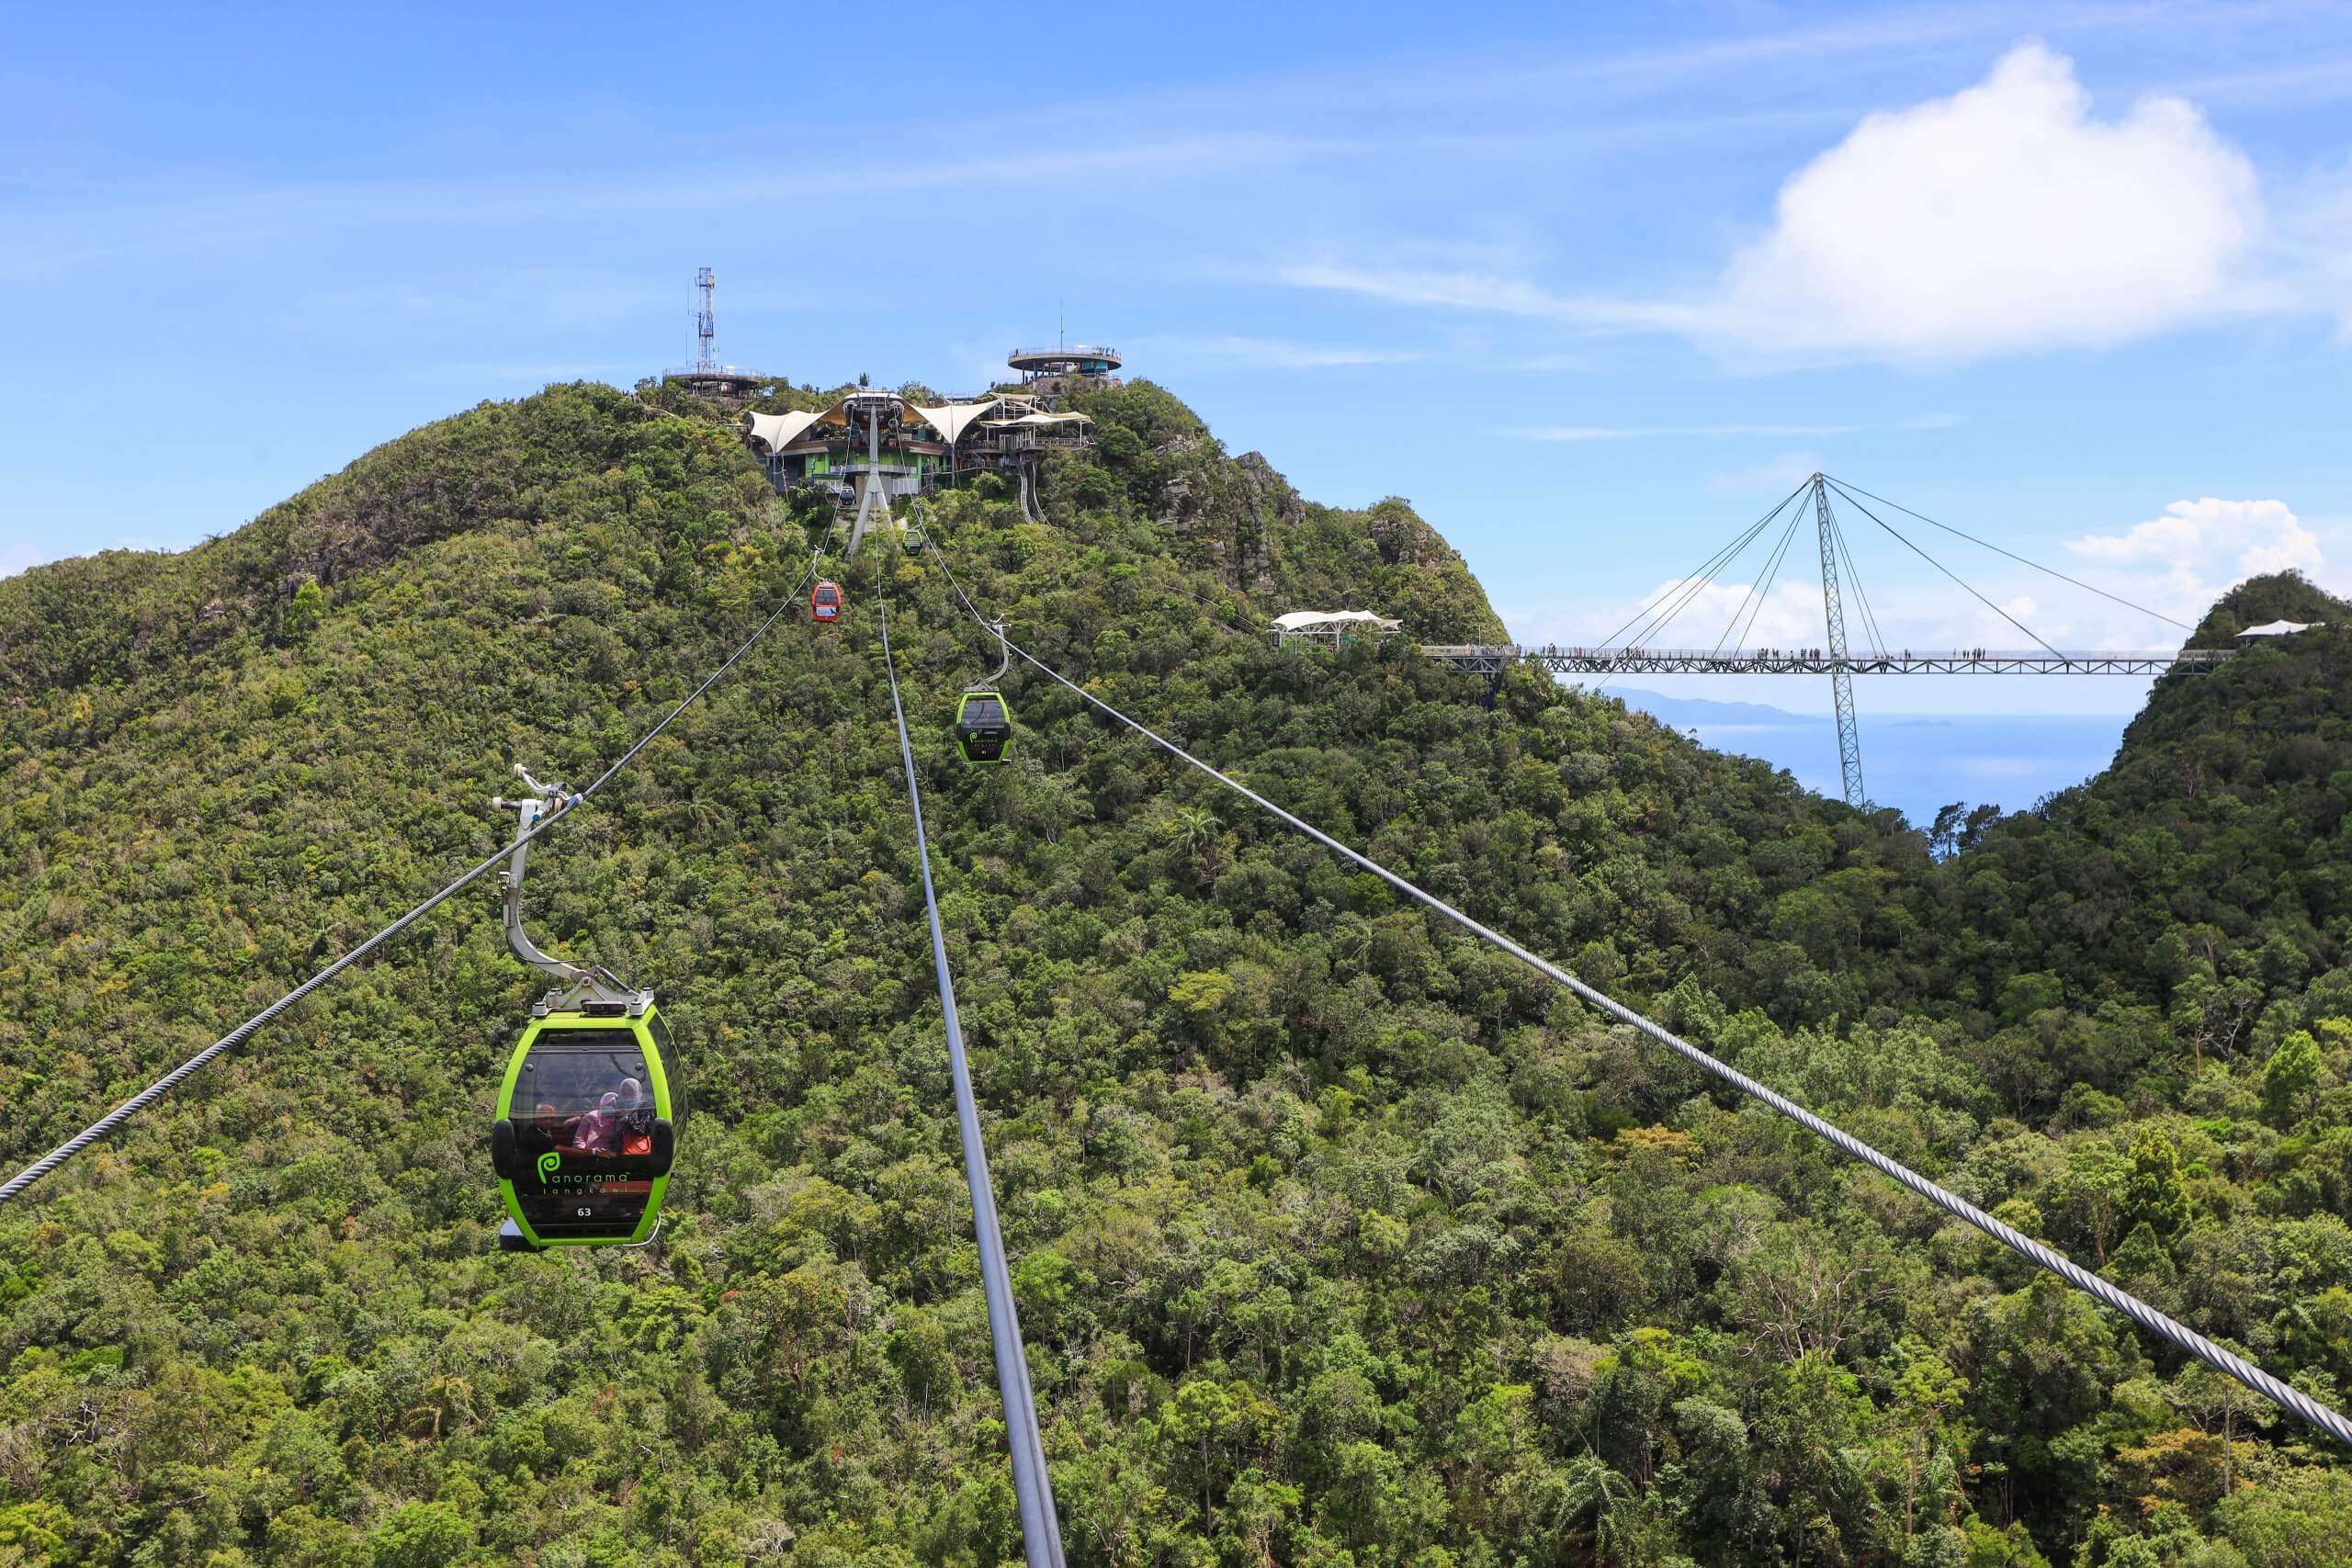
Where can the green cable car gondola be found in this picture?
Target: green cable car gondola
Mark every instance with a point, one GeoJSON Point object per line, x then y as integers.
{"type": "Point", "coordinates": [983, 727]}
{"type": "Point", "coordinates": [587, 1114]}
{"type": "Point", "coordinates": [983, 718]}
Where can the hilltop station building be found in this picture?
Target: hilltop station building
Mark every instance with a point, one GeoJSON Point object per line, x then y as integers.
{"type": "Point", "coordinates": [874, 447]}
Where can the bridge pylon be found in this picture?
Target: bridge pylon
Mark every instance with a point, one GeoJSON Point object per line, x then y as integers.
{"type": "Point", "coordinates": [1841, 678]}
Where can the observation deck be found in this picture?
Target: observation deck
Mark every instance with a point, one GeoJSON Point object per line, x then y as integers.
{"type": "Point", "coordinates": [1074, 359]}
{"type": "Point", "coordinates": [720, 383]}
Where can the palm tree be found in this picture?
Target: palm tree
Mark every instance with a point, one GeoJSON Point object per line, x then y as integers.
{"type": "Point", "coordinates": [1199, 829]}
{"type": "Point", "coordinates": [1597, 1511]}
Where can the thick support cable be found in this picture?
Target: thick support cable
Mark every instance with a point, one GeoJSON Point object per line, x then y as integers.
{"type": "Point", "coordinates": [253, 1025]}
{"type": "Point", "coordinates": [1688, 586]}
{"type": "Point", "coordinates": [1841, 486]}
{"type": "Point", "coordinates": [1939, 566]}
{"type": "Point", "coordinates": [1759, 592]}
{"type": "Point", "coordinates": [1041, 1535]}
{"type": "Point", "coordinates": [2221, 1360]}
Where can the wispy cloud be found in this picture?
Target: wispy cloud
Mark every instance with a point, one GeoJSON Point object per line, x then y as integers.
{"type": "Point", "coordinates": [1269, 354]}
{"type": "Point", "coordinates": [1486, 291]}
{"type": "Point", "coordinates": [1727, 432]}
{"type": "Point", "coordinates": [474, 374]}
{"type": "Point", "coordinates": [541, 298]}
{"type": "Point", "coordinates": [169, 218]}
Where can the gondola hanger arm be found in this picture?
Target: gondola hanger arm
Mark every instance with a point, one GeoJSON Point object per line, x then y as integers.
{"type": "Point", "coordinates": [1004, 664]}
{"type": "Point", "coordinates": [574, 982]}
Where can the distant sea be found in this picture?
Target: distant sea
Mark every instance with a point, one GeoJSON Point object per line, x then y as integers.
{"type": "Point", "coordinates": [1915, 763]}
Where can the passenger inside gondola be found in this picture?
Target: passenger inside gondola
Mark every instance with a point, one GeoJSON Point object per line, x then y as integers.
{"type": "Point", "coordinates": [542, 1131]}
{"type": "Point", "coordinates": [599, 1131]}
{"type": "Point", "coordinates": [636, 1119]}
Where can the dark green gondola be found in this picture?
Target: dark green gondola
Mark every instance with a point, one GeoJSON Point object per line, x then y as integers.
{"type": "Point", "coordinates": [586, 1123]}
{"type": "Point", "coordinates": [983, 718]}
{"type": "Point", "coordinates": [983, 727]}
{"type": "Point", "coordinates": [586, 1127]}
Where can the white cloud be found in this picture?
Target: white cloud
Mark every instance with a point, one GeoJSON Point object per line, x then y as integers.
{"type": "Point", "coordinates": [1787, 615]}
{"type": "Point", "coordinates": [2007, 217]}
{"type": "Point", "coordinates": [2199, 548]}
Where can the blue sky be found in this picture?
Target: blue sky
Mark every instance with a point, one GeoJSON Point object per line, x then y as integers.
{"type": "Point", "coordinates": [1592, 287]}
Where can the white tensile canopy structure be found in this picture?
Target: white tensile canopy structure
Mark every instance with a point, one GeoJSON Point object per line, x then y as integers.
{"type": "Point", "coordinates": [1332, 624]}
{"type": "Point", "coordinates": [874, 447]}
{"type": "Point", "coordinates": [2280, 628]}
{"type": "Point", "coordinates": [777, 431]}
{"type": "Point", "coordinates": [951, 420]}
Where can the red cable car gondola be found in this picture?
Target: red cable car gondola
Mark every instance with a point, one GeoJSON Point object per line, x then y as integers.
{"type": "Point", "coordinates": [825, 601]}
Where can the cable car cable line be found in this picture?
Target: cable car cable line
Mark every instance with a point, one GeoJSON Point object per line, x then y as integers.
{"type": "Point", "coordinates": [1041, 1540]}
{"type": "Point", "coordinates": [2332, 1422]}
{"type": "Point", "coordinates": [253, 1025]}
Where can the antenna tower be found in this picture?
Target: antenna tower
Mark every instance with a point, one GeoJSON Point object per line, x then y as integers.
{"type": "Point", "coordinates": [705, 322]}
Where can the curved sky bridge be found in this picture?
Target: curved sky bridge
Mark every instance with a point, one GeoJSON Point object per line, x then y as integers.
{"type": "Point", "coordinates": [1490, 659]}
{"type": "Point", "coordinates": [1638, 647]}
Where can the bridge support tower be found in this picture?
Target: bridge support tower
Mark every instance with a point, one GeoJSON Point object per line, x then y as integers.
{"type": "Point", "coordinates": [1841, 679]}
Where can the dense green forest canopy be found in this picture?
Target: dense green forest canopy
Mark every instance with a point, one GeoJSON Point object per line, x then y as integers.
{"type": "Point", "coordinates": [1339, 1237]}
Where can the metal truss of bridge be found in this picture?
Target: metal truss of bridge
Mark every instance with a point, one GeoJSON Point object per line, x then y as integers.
{"type": "Point", "coordinates": [1492, 658]}
{"type": "Point", "coordinates": [1638, 647]}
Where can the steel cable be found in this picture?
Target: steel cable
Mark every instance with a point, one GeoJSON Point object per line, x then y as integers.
{"type": "Point", "coordinates": [1688, 587]}
{"type": "Point", "coordinates": [1759, 592]}
{"type": "Point", "coordinates": [2220, 1358]}
{"type": "Point", "coordinates": [253, 1025]}
{"type": "Point", "coordinates": [1843, 486]}
{"type": "Point", "coordinates": [1041, 1538]}
{"type": "Point", "coordinates": [1939, 566]}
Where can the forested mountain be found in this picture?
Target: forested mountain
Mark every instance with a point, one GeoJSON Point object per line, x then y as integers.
{"type": "Point", "coordinates": [1339, 1237]}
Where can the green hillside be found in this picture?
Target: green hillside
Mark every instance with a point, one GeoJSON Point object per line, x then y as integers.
{"type": "Point", "coordinates": [1339, 1237]}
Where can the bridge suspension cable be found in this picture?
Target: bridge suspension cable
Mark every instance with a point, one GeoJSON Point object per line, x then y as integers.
{"type": "Point", "coordinates": [1683, 589]}
{"type": "Point", "coordinates": [1041, 1540]}
{"type": "Point", "coordinates": [1843, 486]}
{"type": "Point", "coordinates": [1758, 591]}
{"type": "Point", "coordinates": [253, 1025]}
{"type": "Point", "coordinates": [1899, 538]}
{"type": "Point", "coordinates": [2222, 1359]}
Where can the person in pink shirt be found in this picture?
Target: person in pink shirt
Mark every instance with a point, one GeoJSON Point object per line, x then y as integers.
{"type": "Point", "coordinates": [599, 1131]}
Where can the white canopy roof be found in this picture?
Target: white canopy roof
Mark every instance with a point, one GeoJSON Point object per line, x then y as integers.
{"type": "Point", "coordinates": [1298, 620]}
{"type": "Point", "coordinates": [2280, 628]}
{"type": "Point", "coordinates": [779, 431]}
{"type": "Point", "coordinates": [1049, 419]}
{"type": "Point", "coordinates": [949, 419]}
